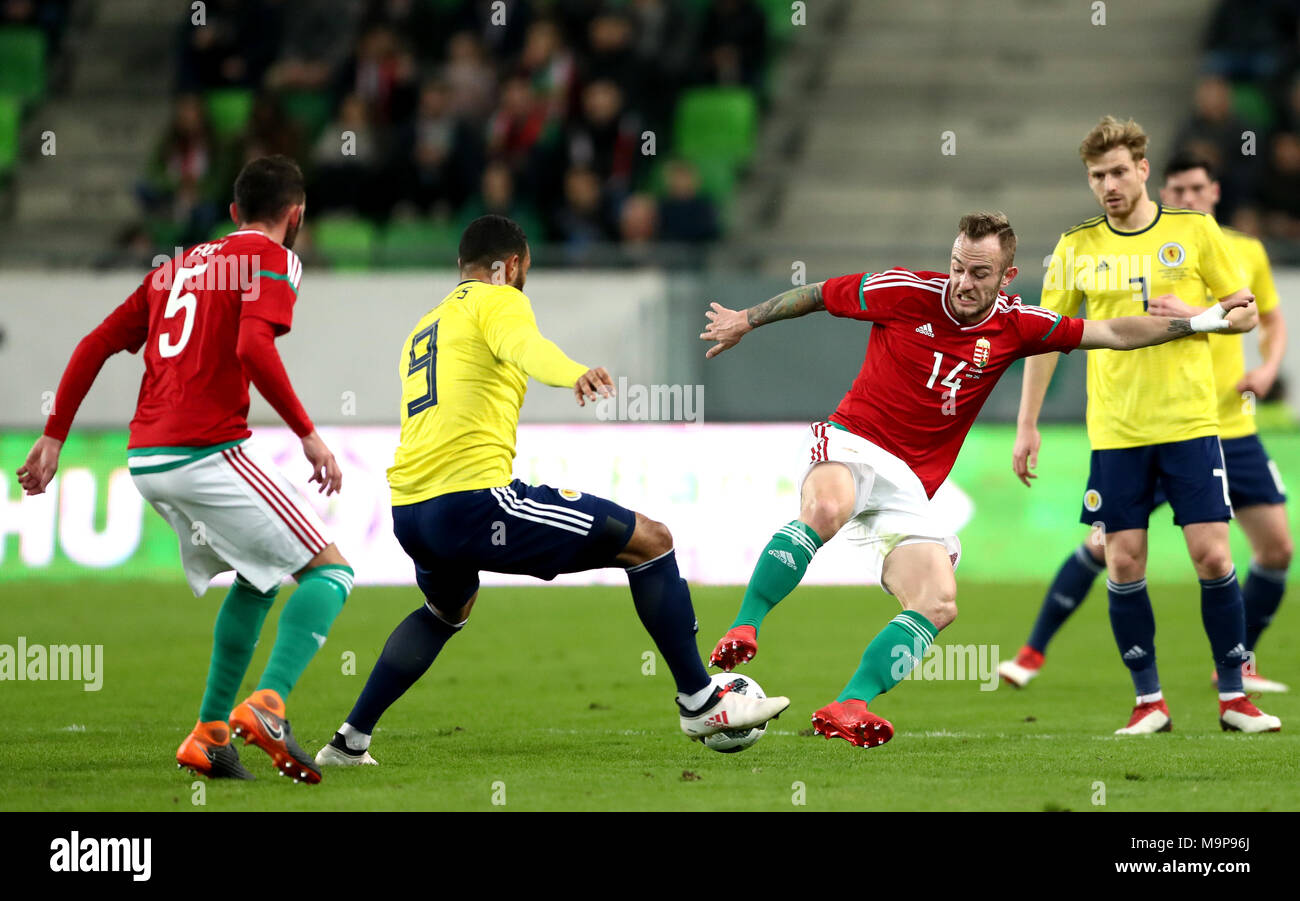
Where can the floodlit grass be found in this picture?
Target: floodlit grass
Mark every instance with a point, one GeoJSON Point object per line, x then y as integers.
{"type": "Point", "coordinates": [542, 702]}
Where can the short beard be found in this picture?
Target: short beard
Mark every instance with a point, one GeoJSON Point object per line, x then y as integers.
{"type": "Point", "coordinates": [290, 235]}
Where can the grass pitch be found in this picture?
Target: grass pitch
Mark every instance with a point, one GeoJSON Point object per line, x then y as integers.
{"type": "Point", "coordinates": [542, 704]}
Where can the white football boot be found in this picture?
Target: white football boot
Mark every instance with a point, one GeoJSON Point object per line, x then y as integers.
{"type": "Point", "coordinates": [336, 752]}
{"type": "Point", "coordinates": [1258, 683]}
{"type": "Point", "coordinates": [1239, 715]}
{"type": "Point", "coordinates": [1252, 681]}
{"type": "Point", "coordinates": [1150, 717]}
{"type": "Point", "coordinates": [1020, 671]}
{"type": "Point", "coordinates": [726, 710]}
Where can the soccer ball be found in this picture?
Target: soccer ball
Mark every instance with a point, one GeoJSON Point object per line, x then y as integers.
{"type": "Point", "coordinates": [736, 739]}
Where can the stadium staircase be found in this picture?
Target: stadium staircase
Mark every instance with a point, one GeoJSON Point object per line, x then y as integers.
{"type": "Point", "coordinates": [850, 169]}
{"type": "Point", "coordinates": [67, 207]}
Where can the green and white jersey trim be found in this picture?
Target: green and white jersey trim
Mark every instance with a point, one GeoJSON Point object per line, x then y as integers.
{"type": "Point", "coordinates": [161, 459]}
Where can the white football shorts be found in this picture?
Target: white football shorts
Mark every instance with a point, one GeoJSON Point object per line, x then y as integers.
{"type": "Point", "coordinates": [231, 510]}
{"type": "Point", "coordinates": [890, 507]}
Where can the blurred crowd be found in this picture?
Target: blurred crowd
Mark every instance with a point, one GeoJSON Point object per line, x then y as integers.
{"type": "Point", "coordinates": [1245, 116]}
{"type": "Point", "coordinates": [50, 16]}
{"type": "Point", "coordinates": [446, 110]}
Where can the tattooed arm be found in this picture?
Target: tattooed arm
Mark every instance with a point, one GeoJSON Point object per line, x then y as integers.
{"type": "Point", "coordinates": [1132, 332]}
{"type": "Point", "coordinates": [727, 327]}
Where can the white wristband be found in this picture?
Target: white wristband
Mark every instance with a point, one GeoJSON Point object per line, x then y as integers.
{"type": "Point", "coordinates": [1212, 320]}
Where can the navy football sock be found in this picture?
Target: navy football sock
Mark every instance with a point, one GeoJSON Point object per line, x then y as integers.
{"type": "Point", "coordinates": [1072, 583]}
{"type": "Point", "coordinates": [1262, 594]}
{"type": "Point", "coordinates": [1224, 617]}
{"type": "Point", "coordinates": [663, 602]}
{"type": "Point", "coordinates": [1134, 626]}
{"type": "Point", "coordinates": [408, 653]}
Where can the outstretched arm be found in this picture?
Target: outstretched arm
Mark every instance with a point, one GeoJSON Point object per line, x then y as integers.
{"type": "Point", "coordinates": [512, 334]}
{"type": "Point", "coordinates": [1240, 319]}
{"type": "Point", "coordinates": [1132, 332]}
{"type": "Point", "coordinates": [727, 327]}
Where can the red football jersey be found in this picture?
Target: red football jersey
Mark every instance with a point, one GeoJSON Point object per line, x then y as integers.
{"type": "Point", "coordinates": [926, 376]}
{"type": "Point", "coordinates": [186, 316]}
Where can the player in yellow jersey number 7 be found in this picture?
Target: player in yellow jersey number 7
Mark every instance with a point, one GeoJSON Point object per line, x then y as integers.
{"type": "Point", "coordinates": [1153, 416]}
{"type": "Point", "coordinates": [457, 511]}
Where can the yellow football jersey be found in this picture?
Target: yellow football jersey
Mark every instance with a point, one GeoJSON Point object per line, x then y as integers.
{"type": "Point", "coordinates": [1226, 350]}
{"type": "Point", "coordinates": [1153, 395]}
{"type": "Point", "coordinates": [464, 371]}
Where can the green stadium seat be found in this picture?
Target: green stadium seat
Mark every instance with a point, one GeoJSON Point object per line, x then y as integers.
{"type": "Point", "coordinates": [10, 117]}
{"type": "Point", "coordinates": [1252, 104]}
{"type": "Point", "coordinates": [229, 110]}
{"type": "Point", "coordinates": [22, 63]}
{"type": "Point", "coordinates": [346, 243]}
{"type": "Point", "coordinates": [717, 124]}
{"type": "Point", "coordinates": [420, 244]}
{"type": "Point", "coordinates": [310, 110]}
{"type": "Point", "coordinates": [780, 20]}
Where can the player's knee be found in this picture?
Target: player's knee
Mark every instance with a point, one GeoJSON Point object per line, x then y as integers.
{"type": "Point", "coordinates": [940, 610]}
{"type": "Point", "coordinates": [650, 540]}
{"type": "Point", "coordinates": [826, 514]}
{"type": "Point", "coordinates": [1124, 567]}
{"type": "Point", "coordinates": [937, 602]}
{"type": "Point", "coordinates": [1277, 553]}
{"type": "Point", "coordinates": [1213, 562]}
{"type": "Point", "coordinates": [328, 557]}
{"type": "Point", "coordinates": [945, 605]}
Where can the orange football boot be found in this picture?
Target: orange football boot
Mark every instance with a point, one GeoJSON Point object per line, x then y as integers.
{"type": "Point", "coordinates": [207, 751]}
{"type": "Point", "coordinates": [260, 720]}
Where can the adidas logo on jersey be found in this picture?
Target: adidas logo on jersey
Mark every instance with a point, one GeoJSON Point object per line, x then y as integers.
{"type": "Point", "coordinates": [1103, 266]}
{"type": "Point", "coordinates": [785, 557]}
{"type": "Point", "coordinates": [925, 330]}
{"type": "Point", "coordinates": [1134, 653]}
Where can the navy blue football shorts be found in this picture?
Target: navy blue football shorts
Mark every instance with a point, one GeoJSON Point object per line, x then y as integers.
{"type": "Point", "coordinates": [1253, 478]}
{"type": "Point", "coordinates": [1125, 484]}
{"type": "Point", "coordinates": [535, 530]}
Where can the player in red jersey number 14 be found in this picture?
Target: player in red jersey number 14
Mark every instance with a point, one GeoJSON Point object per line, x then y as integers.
{"type": "Point", "coordinates": [938, 345]}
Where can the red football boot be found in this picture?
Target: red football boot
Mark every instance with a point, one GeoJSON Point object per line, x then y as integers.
{"type": "Point", "coordinates": [853, 722]}
{"type": "Point", "coordinates": [738, 646]}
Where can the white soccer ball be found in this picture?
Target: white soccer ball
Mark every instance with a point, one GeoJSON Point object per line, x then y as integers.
{"type": "Point", "coordinates": [736, 739]}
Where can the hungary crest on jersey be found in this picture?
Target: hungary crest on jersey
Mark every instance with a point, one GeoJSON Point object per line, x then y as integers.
{"type": "Point", "coordinates": [981, 355]}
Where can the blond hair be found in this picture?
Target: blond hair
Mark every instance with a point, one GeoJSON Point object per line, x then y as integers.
{"type": "Point", "coordinates": [1110, 133]}
{"type": "Point", "coordinates": [982, 223]}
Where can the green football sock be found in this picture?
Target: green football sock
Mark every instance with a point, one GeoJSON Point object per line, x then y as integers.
{"type": "Point", "coordinates": [778, 572]}
{"type": "Point", "coordinates": [239, 622]}
{"type": "Point", "coordinates": [891, 655]}
{"type": "Point", "coordinates": [304, 624]}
